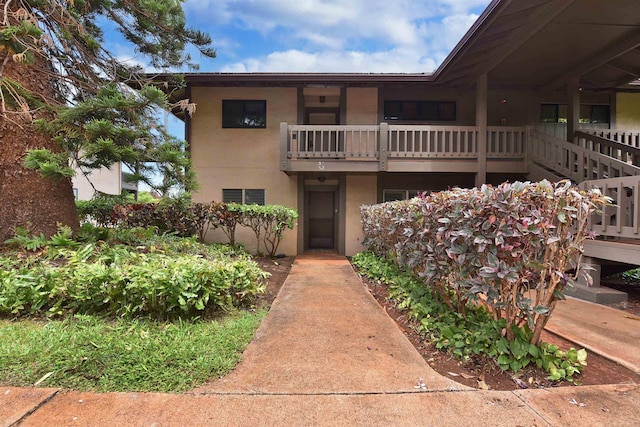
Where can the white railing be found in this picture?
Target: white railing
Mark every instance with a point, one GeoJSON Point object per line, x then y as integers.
{"type": "Point", "coordinates": [622, 218]}
{"type": "Point", "coordinates": [381, 142]}
{"type": "Point", "coordinates": [559, 130]}
{"type": "Point", "coordinates": [627, 137]}
{"type": "Point", "coordinates": [506, 142]}
{"type": "Point", "coordinates": [574, 161]}
{"type": "Point", "coordinates": [333, 141]}
{"type": "Point", "coordinates": [432, 141]}
{"type": "Point", "coordinates": [621, 144]}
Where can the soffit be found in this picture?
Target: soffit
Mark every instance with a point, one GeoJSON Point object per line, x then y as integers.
{"type": "Point", "coordinates": [546, 43]}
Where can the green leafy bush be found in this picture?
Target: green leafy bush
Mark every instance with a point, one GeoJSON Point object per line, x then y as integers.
{"type": "Point", "coordinates": [99, 209]}
{"type": "Point", "coordinates": [183, 218]}
{"type": "Point", "coordinates": [155, 276]}
{"type": "Point", "coordinates": [476, 333]}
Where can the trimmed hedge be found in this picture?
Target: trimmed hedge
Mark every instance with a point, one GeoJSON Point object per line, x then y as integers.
{"type": "Point", "coordinates": [183, 218]}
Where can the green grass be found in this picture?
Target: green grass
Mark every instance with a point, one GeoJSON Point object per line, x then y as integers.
{"type": "Point", "coordinates": [90, 353]}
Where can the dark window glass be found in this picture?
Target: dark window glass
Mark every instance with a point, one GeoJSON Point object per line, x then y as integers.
{"type": "Point", "coordinates": [434, 111]}
{"type": "Point", "coordinates": [254, 196]}
{"type": "Point", "coordinates": [244, 114]}
{"type": "Point", "coordinates": [557, 113]}
{"type": "Point", "coordinates": [600, 114]}
{"type": "Point", "coordinates": [549, 113]}
{"type": "Point", "coordinates": [247, 196]}
{"type": "Point", "coordinates": [232, 195]}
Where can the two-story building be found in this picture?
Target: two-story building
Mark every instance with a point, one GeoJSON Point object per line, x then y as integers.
{"type": "Point", "coordinates": [519, 98]}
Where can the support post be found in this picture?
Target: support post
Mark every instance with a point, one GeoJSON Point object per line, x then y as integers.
{"type": "Point", "coordinates": [284, 148]}
{"type": "Point", "coordinates": [481, 126]}
{"type": "Point", "coordinates": [383, 137]}
{"type": "Point", "coordinates": [573, 107]}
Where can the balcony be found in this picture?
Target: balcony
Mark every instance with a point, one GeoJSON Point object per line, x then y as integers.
{"type": "Point", "coordinates": [399, 148]}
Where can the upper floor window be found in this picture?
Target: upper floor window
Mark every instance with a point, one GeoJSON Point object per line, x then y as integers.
{"type": "Point", "coordinates": [244, 113]}
{"type": "Point", "coordinates": [557, 113]}
{"type": "Point", "coordinates": [434, 111]}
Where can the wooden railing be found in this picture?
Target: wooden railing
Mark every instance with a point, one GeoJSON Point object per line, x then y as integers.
{"type": "Point", "coordinates": [506, 142]}
{"type": "Point", "coordinates": [382, 142]}
{"type": "Point", "coordinates": [621, 144]}
{"type": "Point", "coordinates": [622, 218]}
{"type": "Point", "coordinates": [627, 137]}
{"type": "Point", "coordinates": [307, 141]}
{"type": "Point", "coordinates": [575, 161]}
{"type": "Point", "coordinates": [436, 142]}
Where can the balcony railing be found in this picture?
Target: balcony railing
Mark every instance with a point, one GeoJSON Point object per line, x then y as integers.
{"type": "Point", "coordinates": [388, 143]}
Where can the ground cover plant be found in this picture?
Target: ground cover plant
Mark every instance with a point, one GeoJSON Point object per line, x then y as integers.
{"type": "Point", "coordinates": [123, 309]}
{"type": "Point", "coordinates": [160, 277]}
{"type": "Point", "coordinates": [477, 334]}
{"type": "Point", "coordinates": [512, 249]}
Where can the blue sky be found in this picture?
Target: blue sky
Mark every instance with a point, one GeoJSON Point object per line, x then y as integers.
{"type": "Point", "coordinates": [405, 36]}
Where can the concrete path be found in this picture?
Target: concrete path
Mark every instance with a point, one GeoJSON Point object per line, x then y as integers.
{"type": "Point", "coordinates": [614, 334]}
{"type": "Point", "coordinates": [327, 355]}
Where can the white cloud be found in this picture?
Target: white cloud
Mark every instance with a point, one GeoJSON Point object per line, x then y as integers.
{"type": "Point", "coordinates": [336, 61]}
{"type": "Point", "coordinates": [336, 35]}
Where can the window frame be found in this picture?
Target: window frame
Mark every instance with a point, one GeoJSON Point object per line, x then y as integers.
{"type": "Point", "coordinates": [247, 119]}
{"type": "Point", "coordinates": [244, 197]}
{"type": "Point", "coordinates": [407, 194]}
{"type": "Point", "coordinates": [560, 113]}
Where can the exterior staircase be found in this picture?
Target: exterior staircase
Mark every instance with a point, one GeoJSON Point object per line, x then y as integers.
{"type": "Point", "coordinates": [610, 161]}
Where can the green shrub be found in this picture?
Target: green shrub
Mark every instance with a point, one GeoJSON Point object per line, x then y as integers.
{"type": "Point", "coordinates": [99, 209]}
{"type": "Point", "coordinates": [155, 276]}
{"type": "Point", "coordinates": [476, 333]}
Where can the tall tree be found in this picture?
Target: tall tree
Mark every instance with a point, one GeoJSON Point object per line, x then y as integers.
{"type": "Point", "coordinates": [66, 101]}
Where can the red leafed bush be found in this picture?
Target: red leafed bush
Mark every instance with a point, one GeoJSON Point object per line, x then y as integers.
{"type": "Point", "coordinates": [514, 247]}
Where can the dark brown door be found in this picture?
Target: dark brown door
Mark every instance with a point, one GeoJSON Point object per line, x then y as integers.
{"type": "Point", "coordinates": [321, 219]}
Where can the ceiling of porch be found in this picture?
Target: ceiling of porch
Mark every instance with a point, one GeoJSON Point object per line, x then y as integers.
{"type": "Point", "coordinates": [546, 43]}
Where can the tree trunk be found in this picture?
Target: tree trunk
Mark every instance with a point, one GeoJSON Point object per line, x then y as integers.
{"type": "Point", "coordinates": [26, 198]}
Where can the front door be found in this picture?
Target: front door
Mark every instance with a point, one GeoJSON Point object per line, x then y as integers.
{"type": "Point", "coordinates": [321, 223]}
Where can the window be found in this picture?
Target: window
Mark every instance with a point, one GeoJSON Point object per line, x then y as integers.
{"type": "Point", "coordinates": [75, 194]}
{"type": "Point", "coordinates": [434, 111]}
{"type": "Point", "coordinates": [246, 196]}
{"type": "Point", "coordinates": [244, 114]}
{"type": "Point", "coordinates": [392, 195]}
{"type": "Point", "coordinates": [557, 113]}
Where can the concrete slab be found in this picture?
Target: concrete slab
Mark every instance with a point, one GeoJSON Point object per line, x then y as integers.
{"type": "Point", "coordinates": [611, 405]}
{"type": "Point", "coordinates": [326, 334]}
{"type": "Point", "coordinates": [597, 294]}
{"type": "Point", "coordinates": [16, 403]}
{"type": "Point", "coordinates": [158, 410]}
{"type": "Point", "coordinates": [612, 333]}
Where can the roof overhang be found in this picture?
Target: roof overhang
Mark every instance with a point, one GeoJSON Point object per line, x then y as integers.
{"type": "Point", "coordinates": [544, 44]}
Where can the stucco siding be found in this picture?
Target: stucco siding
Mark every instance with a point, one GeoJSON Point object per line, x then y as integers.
{"type": "Point", "coordinates": [243, 158]}
{"type": "Point", "coordinates": [360, 190]}
{"type": "Point", "coordinates": [362, 106]}
{"type": "Point", "coordinates": [105, 180]}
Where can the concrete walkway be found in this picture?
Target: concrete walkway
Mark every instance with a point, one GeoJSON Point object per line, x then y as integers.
{"type": "Point", "coordinates": [328, 355]}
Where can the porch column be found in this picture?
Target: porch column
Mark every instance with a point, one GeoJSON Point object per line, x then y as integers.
{"type": "Point", "coordinates": [481, 126]}
{"type": "Point", "coordinates": [573, 107]}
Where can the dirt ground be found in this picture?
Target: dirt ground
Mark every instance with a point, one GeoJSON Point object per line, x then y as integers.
{"type": "Point", "coordinates": [476, 373]}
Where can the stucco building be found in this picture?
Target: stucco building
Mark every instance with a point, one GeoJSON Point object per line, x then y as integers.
{"type": "Point", "coordinates": [521, 97]}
